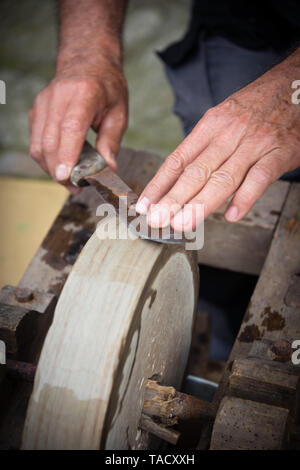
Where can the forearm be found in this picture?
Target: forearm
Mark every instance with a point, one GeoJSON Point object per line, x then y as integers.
{"type": "Point", "coordinates": [277, 80]}
{"type": "Point", "coordinates": [90, 32]}
{"type": "Point", "coordinates": [89, 89]}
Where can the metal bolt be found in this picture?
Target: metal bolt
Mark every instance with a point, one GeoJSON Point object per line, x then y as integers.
{"type": "Point", "coordinates": [23, 295]}
{"type": "Point", "coordinates": [280, 351]}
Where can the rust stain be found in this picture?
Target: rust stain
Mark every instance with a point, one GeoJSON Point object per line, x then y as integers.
{"type": "Point", "coordinates": [79, 239]}
{"type": "Point", "coordinates": [56, 287]}
{"type": "Point", "coordinates": [291, 225]}
{"type": "Point", "coordinates": [112, 188]}
{"type": "Point", "coordinates": [273, 321]}
{"type": "Point", "coordinates": [280, 351]}
{"type": "Point", "coordinates": [56, 246]}
{"type": "Point", "coordinates": [250, 334]}
{"type": "Point", "coordinates": [76, 212]}
{"type": "Point", "coordinates": [63, 246]}
{"type": "Point", "coordinates": [248, 314]}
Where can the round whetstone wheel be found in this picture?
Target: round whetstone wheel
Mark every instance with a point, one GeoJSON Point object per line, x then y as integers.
{"type": "Point", "coordinates": [126, 314]}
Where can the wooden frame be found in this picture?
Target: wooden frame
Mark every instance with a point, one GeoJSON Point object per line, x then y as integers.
{"type": "Point", "coordinates": [274, 302]}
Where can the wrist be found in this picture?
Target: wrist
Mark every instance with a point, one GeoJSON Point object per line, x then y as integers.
{"type": "Point", "coordinates": [91, 58]}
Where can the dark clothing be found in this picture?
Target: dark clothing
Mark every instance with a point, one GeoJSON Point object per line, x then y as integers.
{"type": "Point", "coordinates": [252, 24]}
{"type": "Point", "coordinates": [216, 69]}
{"type": "Point", "coordinates": [228, 44]}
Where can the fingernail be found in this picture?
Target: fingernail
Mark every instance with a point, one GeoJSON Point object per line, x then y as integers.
{"type": "Point", "coordinates": [62, 172]}
{"type": "Point", "coordinates": [143, 205]}
{"type": "Point", "coordinates": [232, 214]}
{"type": "Point", "coordinates": [159, 216]}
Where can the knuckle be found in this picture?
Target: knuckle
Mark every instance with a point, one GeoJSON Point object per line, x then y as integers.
{"type": "Point", "coordinates": [267, 133]}
{"type": "Point", "coordinates": [122, 116]}
{"type": "Point", "coordinates": [229, 104]}
{"type": "Point", "coordinates": [117, 83]}
{"type": "Point", "coordinates": [79, 85]}
{"type": "Point", "coordinates": [223, 178]}
{"type": "Point", "coordinates": [210, 113]}
{"type": "Point", "coordinates": [38, 100]}
{"type": "Point", "coordinates": [246, 198]}
{"type": "Point", "coordinates": [72, 125]}
{"type": "Point", "coordinates": [197, 172]}
{"type": "Point", "coordinates": [35, 151]}
{"type": "Point", "coordinates": [175, 162]}
{"type": "Point", "coordinates": [154, 187]}
{"type": "Point", "coordinates": [172, 202]}
{"type": "Point", "coordinates": [213, 117]}
{"type": "Point", "coordinates": [88, 88]}
{"type": "Point", "coordinates": [121, 119]}
{"type": "Point", "coordinates": [49, 144]}
{"type": "Point", "coordinates": [262, 174]}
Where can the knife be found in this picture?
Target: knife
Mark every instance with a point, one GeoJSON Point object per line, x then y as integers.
{"type": "Point", "coordinates": [92, 169]}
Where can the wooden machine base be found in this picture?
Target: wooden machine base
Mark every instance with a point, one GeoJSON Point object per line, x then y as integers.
{"type": "Point", "coordinates": [111, 366]}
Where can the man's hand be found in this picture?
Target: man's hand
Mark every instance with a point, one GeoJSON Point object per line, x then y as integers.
{"type": "Point", "coordinates": [89, 89]}
{"type": "Point", "coordinates": [239, 147]}
{"type": "Point", "coordinates": [64, 111]}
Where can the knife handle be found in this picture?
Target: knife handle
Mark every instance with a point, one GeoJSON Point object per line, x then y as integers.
{"type": "Point", "coordinates": [90, 162]}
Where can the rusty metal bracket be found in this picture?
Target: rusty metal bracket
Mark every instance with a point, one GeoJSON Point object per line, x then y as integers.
{"type": "Point", "coordinates": [22, 313]}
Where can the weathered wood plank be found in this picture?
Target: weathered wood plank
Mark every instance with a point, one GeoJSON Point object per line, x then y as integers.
{"type": "Point", "coordinates": [247, 425]}
{"type": "Point", "coordinates": [243, 246]}
{"type": "Point", "coordinates": [265, 381]}
{"type": "Point", "coordinates": [269, 316]}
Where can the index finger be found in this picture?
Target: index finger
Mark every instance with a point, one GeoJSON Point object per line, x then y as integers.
{"type": "Point", "coordinates": [174, 165]}
{"type": "Point", "coordinates": [73, 130]}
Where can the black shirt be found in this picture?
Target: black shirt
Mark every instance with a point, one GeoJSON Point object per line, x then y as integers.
{"type": "Point", "coordinates": [253, 24]}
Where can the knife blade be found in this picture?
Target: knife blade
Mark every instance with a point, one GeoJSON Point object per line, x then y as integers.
{"type": "Point", "coordinates": [93, 170]}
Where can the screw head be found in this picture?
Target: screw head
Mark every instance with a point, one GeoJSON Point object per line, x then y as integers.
{"type": "Point", "coordinates": [24, 295]}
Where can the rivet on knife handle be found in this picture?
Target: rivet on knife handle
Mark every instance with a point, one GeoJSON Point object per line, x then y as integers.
{"type": "Point", "coordinates": [89, 163]}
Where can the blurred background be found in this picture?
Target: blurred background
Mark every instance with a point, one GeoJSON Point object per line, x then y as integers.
{"type": "Point", "coordinates": [29, 201]}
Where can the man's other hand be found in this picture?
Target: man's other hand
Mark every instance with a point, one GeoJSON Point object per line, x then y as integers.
{"type": "Point", "coordinates": [238, 148]}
